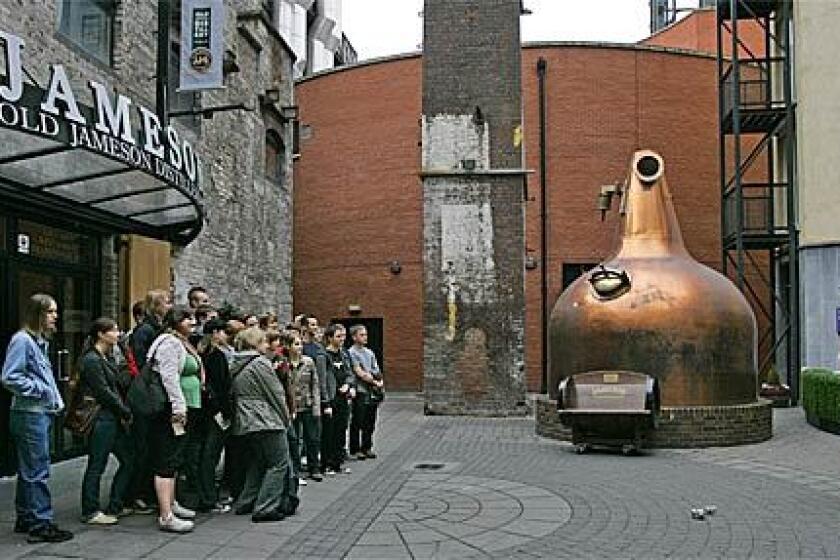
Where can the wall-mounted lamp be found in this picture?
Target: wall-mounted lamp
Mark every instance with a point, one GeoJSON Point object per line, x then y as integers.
{"type": "Point", "coordinates": [354, 309]}
{"type": "Point", "coordinates": [530, 262]}
{"type": "Point", "coordinates": [271, 95]}
{"type": "Point", "coordinates": [606, 195]}
{"type": "Point", "coordinates": [395, 267]}
{"type": "Point", "coordinates": [289, 112]}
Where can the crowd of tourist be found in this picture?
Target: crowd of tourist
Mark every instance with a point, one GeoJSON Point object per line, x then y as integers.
{"type": "Point", "coordinates": [206, 410]}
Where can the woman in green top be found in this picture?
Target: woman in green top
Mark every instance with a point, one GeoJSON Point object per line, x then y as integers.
{"type": "Point", "coordinates": [192, 385]}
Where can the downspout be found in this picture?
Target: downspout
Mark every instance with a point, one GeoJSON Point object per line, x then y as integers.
{"type": "Point", "coordinates": [541, 68]}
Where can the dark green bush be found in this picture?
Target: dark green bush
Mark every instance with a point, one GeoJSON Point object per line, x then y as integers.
{"type": "Point", "coordinates": [821, 394]}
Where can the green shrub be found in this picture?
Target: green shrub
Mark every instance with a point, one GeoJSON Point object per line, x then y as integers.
{"type": "Point", "coordinates": [821, 393]}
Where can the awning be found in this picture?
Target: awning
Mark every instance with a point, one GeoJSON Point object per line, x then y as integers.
{"type": "Point", "coordinates": [74, 168]}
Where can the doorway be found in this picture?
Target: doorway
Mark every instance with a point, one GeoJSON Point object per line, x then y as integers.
{"type": "Point", "coordinates": [63, 265]}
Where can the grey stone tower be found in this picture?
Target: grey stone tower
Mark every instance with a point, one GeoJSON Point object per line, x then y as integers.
{"type": "Point", "coordinates": [473, 230]}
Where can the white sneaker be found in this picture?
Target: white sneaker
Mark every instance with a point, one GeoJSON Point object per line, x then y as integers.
{"type": "Point", "coordinates": [302, 482]}
{"type": "Point", "coordinates": [100, 518]}
{"type": "Point", "coordinates": [175, 525]}
{"type": "Point", "coordinates": [182, 512]}
{"type": "Point", "coordinates": [329, 472]}
{"type": "Point", "coordinates": [346, 470]}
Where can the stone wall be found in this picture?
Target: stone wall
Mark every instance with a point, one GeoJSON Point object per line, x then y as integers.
{"type": "Point", "coordinates": [243, 254]}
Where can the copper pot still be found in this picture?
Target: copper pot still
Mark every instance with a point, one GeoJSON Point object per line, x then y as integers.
{"type": "Point", "coordinates": [652, 308]}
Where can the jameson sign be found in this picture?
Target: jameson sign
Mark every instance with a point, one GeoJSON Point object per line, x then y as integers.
{"type": "Point", "coordinates": [111, 127]}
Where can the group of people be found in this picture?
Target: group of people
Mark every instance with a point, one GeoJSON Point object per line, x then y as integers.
{"type": "Point", "coordinates": [205, 410]}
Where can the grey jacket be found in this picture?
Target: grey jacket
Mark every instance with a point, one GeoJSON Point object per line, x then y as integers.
{"type": "Point", "coordinates": [259, 401]}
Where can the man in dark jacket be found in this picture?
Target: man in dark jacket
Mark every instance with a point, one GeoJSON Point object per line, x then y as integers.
{"type": "Point", "coordinates": [340, 385]}
{"type": "Point", "coordinates": [218, 410]}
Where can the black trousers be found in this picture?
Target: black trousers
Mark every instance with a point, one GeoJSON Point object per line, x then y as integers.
{"type": "Point", "coordinates": [363, 424]}
{"type": "Point", "coordinates": [193, 446]}
{"type": "Point", "coordinates": [142, 485]}
{"type": "Point", "coordinates": [236, 455]}
{"type": "Point", "coordinates": [334, 435]}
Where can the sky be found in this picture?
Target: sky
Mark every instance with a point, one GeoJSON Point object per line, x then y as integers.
{"type": "Point", "coordinates": [386, 27]}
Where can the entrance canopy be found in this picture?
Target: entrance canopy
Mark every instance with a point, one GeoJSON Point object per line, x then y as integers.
{"type": "Point", "coordinates": [92, 165]}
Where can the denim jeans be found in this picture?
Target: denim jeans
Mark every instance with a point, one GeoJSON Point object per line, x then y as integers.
{"type": "Point", "coordinates": [308, 427]}
{"type": "Point", "coordinates": [31, 434]}
{"type": "Point", "coordinates": [107, 437]}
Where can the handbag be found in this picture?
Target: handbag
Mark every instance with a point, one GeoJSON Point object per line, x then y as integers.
{"type": "Point", "coordinates": [81, 413]}
{"type": "Point", "coordinates": [146, 396]}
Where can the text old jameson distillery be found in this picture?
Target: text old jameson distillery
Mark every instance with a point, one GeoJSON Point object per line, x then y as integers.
{"type": "Point", "coordinates": [106, 128]}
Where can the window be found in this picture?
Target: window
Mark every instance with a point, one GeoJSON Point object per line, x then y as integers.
{"type": "Point", "coordinates": [275, 157]}
{"type": "Point", "coordinates": [89, 24]}
{"type": "Point", "coordinates": [572, 271]}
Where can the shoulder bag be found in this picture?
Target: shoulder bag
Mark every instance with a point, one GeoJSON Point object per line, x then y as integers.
{"type": "Point", "coordinates": [81, 413]}
{"type": "Point", "coordinates": [146, 395]}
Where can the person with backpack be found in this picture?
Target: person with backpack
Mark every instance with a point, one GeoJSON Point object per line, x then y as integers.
{"type": "Point", "coordinates": [156, 305]}
{"type": "Point", "coordinates": [99, 380]}
{"type": "Point", "coordinates": [172, 359]}
{"type": "Point", "coordinates": [36, 401]}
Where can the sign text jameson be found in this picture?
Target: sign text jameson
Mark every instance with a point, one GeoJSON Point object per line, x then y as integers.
{"type": "Point", "coordinates": [107, 127]}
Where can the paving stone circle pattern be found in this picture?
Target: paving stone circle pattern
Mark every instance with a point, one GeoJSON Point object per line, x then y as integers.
{"type": "Point", "coordinates": [440, 515]}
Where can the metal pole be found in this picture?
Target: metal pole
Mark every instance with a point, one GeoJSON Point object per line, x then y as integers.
{"type": "Point", "coordinates": [541, 68]}
{"type": "Point", "coordinates": [736, 136]}
{"type": "Point", "coordinates": [162, 68]}
{"type": "Point", "coordinates": [792, 221]}
{"type": "Point", "coordinates": [721, 143]}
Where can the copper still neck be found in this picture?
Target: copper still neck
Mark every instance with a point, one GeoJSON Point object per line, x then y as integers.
{"type": "Point", "coordinates": [650, 228]}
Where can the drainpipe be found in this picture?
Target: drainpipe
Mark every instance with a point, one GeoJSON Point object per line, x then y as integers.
{"type": "Point", "coordinates": [541, 67]}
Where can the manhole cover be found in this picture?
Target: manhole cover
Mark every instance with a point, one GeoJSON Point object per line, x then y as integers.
{"type": "Point", "coordinates": [429, 466]}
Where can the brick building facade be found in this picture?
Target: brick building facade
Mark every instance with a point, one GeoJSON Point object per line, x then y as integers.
{"type": "Point", "coordinates": [359, 195]}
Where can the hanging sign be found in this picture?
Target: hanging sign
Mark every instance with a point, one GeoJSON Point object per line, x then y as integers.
{"type": "Point", "coordinates": [202, 44]}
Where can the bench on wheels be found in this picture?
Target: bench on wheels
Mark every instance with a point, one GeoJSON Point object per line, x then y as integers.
{"type": "Point", "coordinates": [609, 408]}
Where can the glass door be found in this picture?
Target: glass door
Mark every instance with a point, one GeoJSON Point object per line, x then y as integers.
{"type": "Point", "coordinates": [74, 295]}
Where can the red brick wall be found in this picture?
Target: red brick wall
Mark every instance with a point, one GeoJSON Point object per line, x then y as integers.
{"type": "Point", "coordinates": [358, 206]}
{"type": "Point", "coordinates": [698, 32]}
{"type": "Point", "coordinates": [358, 202]}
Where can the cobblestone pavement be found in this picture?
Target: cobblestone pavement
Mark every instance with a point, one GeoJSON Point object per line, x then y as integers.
{"type": "Point", "coordinates": [489, 488]}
